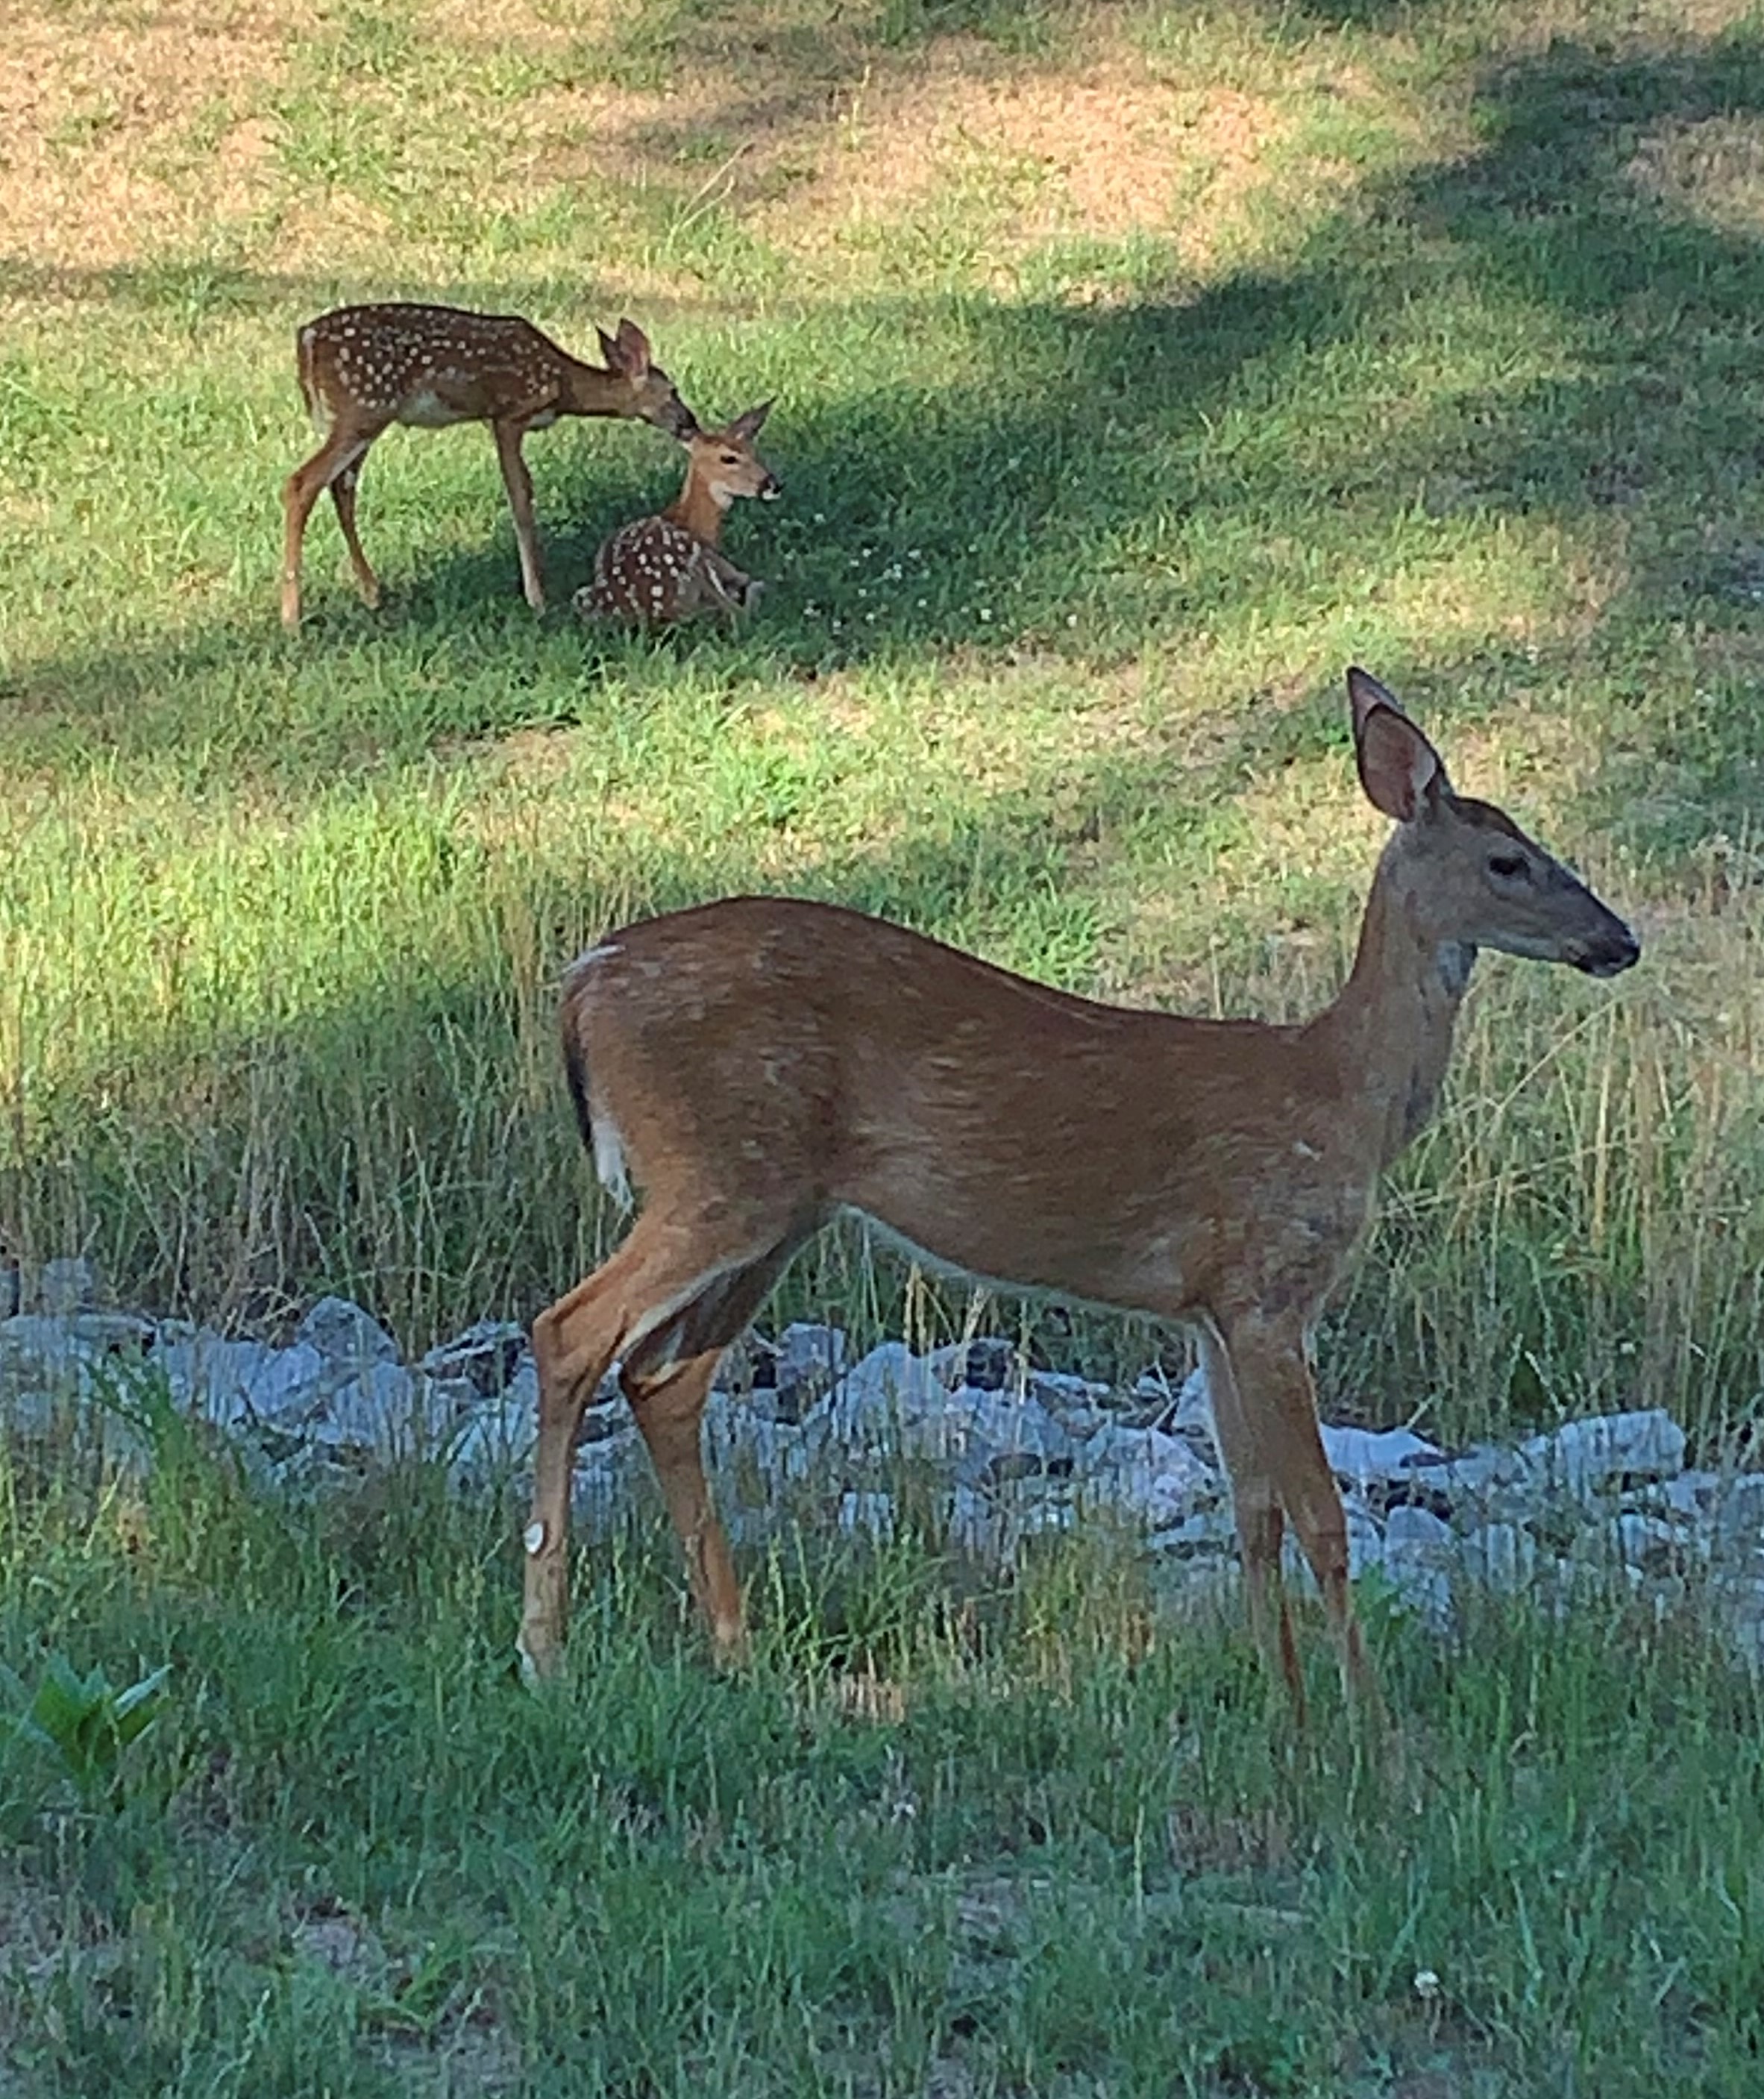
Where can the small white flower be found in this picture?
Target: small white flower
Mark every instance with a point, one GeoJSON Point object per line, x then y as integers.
{"type": "Point", "coordinates": [1427, 1985]}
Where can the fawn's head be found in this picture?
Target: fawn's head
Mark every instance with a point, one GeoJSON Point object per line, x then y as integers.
{"type": "Point", "coordinates": [724, 461]}
{"type": "Point", "coordinates": [1465, 871]}
{"type": "Point", "coordinates": [647, 392]}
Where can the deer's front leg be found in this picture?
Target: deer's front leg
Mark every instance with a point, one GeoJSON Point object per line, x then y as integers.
{"type": "Point", "coordinates": [1270, 1361]}
{"type": "Point", "coordinates": [730, 590]}
{"type": "Point", "coordinates": [519, 484]}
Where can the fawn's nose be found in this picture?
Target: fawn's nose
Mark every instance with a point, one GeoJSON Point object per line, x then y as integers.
{"type": "Point", "coordinates": [771, 489]}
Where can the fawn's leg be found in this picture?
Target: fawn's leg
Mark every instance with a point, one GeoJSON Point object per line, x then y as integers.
{"type": "Point", "coordinates": [519, 484]}
{"type": "Point", "coordinates": [342, 450]}
{"type": "Point", "coordinates": [343, 495]}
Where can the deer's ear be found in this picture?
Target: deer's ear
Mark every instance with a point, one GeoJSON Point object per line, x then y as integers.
{"type": "Point", "coordinates": [746, 425]}
{"type": "Point", "coordinates": [628, 351]}
{"type": "Point", "coordinates": [1399, 768]}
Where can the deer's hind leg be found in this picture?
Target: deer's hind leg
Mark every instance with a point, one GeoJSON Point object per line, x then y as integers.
{"type": "Point", "coordinates": [670, 1313]}
{"type": "Point", "coordinates": [343, 495]}
{"type": "Point", "coordinates": [667, 1394]}
{"type": "Point", "coordinates": [341, 453]}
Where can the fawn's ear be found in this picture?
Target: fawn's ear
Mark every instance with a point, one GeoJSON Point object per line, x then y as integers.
{"type": "Point", "coordinates": [746, 425]}
{"type": "Point", "coordinates": [628, 351]}
{"type": "Point", "coordinates": [1400, 770]}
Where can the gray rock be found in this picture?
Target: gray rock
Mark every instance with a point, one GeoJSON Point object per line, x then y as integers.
{"type": "Point", "coordinates": [867, 1516]}
{"type": "Point", "coordinates": [807, 1362]}
{"type": "Point", "coordinates": [1638, 1545]}
{"type": "Point", "coordinates": [389, 1412]}
{"type": "Point", "coordinates": [213, 1378]}
{"type": "Point", "coordinates": [1651, 1544]}
{"type": "Point", "coordinates": [1416, 1529]}
{"type": "Point", "coordinates": [488, 1353]}
{"type": "Point", "coordinates": [1581, 1456]}
{"type": "Point", "coordinates": [987, 1363]}
{"type": "Point", "coordinates": [1468, 1476]}
{"type": "Point", "coordinates": [1206, 1531]}
{"type": "Point", "coordinates": [1501, 1555]}
{"type": "Point", "coordinates": [1420, 1584]}
{"type": "Point", "coordinates": [1148, 1478]}
{"type": "Point", "coordinates": [345, 1336]}
{"type": "Point", "coordinates": [1048, 1515]}
{"type": "Point", "coordinates": [495, 1442]}
{"type": "Point", "coordinates": [1739, 1509]}
{"type": "Point", "coordinates": [602, 1489]}
{"type": "Point", "coordinates": [976, 1524]}
{"type": "Point", "coordinates": [1366, 1455]}
{"type": "Point", "coordinates": [62, 1351]}
{"type": "Point", "coordinates": [1191, 1411]}
{"type": "Point", "coordinates": [1064, 1395]}
{"type": "Point", "coordinates": [291, 1386]}
{"type": "Point", "coordinates": [1692, 1495]}
{"type": "Point", "coordinates": [882, 1392]}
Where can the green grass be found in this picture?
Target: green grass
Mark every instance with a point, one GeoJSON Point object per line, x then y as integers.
{"type": "Point", "coordinates": [1423, 338]}
{"type": "Point", "coordinates": [1064, 1853]}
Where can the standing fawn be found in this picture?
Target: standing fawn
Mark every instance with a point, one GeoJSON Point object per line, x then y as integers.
{"type": "Point", "coordinates": [363, 368]}
{"type": "Point", "coordinates": [670, 567]}
{"type": "Point", "coordinates": [758, 1065]}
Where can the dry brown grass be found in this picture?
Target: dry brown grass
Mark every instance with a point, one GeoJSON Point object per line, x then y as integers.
{"type": "Point", "coordinates": [165, 134]}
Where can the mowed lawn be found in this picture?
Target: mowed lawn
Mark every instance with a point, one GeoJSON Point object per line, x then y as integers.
{"type": "Point", "coordinates": [1137, 367]}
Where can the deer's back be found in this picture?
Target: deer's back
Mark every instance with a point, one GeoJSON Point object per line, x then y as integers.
{"type": "Point", "coordinates": [811, 1057]}
{"type": "Point", "coordinates": [426, 364]}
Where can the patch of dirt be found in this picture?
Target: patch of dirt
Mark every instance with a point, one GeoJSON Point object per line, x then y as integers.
{"type": "Point", "coordinates": [116, 140]}
{"type": "Point", "coordinates": [1107, 154]}
{"type": "Point", "coordinates": [156, 134]}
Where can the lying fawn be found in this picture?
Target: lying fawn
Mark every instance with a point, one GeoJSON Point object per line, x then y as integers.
{"type": "Point", "coordinates": [670, 567]}
{"type": "Point", "coordinates": [363, 368]}
{"type": "Point", "coordinates": [760, 1064]}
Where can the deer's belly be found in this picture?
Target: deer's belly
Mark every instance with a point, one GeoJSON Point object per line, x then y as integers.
{"type": "Point", "coordinates": [426, 409]}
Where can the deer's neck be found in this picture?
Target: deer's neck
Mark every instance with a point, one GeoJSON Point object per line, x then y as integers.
{"type": "Point", "coordinates": [1391, 1026]}
{"type": "Point", "coordinates": [697, 509]}
{"type": "Point", "coordinates": [587, 391]}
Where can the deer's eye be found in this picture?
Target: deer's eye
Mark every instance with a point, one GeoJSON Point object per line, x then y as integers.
{"type": "Point", "coordinates": [730, 459]}
{"type": "Point", "coordinates": [1509, 867]}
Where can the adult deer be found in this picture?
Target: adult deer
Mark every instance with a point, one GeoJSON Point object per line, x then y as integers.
{"type": "Point", "coordinates": [759, 1064]}
{"type": "Point", "coordinates": [671, 566]}
{"type": "Point", "coordinates": [364, 369]}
